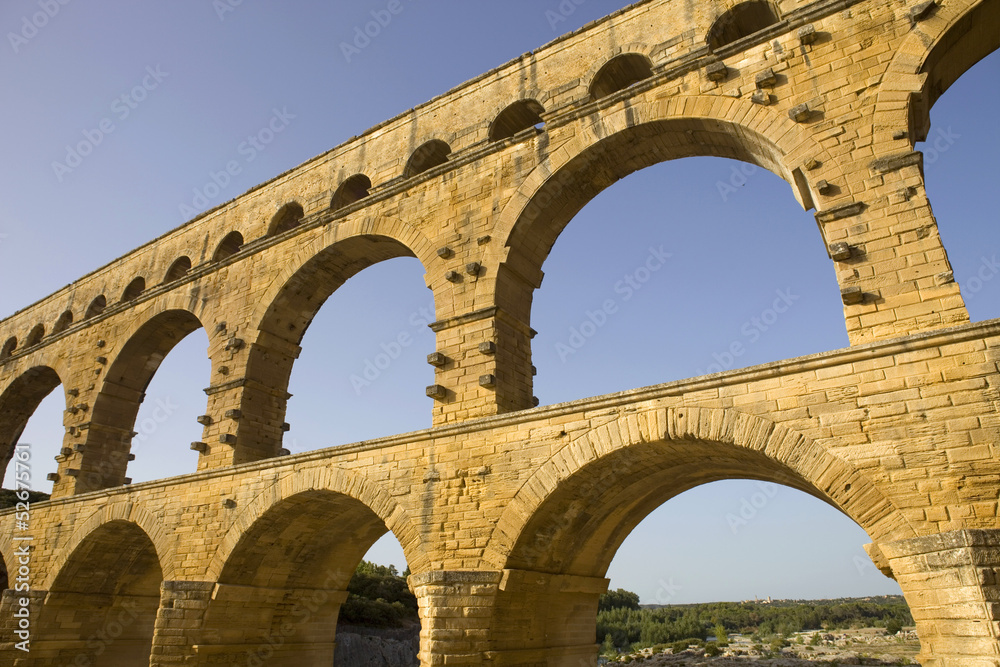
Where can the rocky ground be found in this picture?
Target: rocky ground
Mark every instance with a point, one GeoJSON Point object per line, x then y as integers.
{"type": "Point", "coordinates": [869, 646]}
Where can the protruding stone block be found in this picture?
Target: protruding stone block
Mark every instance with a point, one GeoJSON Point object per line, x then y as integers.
{"type": "Point", "coordinates": [852, 296]}
{"type": "Point", "coordinates": [800, 113]}
{"type": "Point", "coordinates": [717, 71]}
{"type": "Point", "coordinates": [766, 78]}
{"type": "Point", "coordinates": [840, 252]}
{"type": "Point", "coordinates": [436, 391]}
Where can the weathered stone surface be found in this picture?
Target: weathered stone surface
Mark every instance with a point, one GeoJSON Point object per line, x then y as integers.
{"type": "Point", "coordinates": [509, 517]}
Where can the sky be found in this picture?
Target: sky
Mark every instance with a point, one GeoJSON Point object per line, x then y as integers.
{"type": "Point", "coordinates": [181, 85]}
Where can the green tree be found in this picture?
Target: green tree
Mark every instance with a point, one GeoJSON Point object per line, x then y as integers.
{"type": "Point", "coordinates": [721, 636]}
{"type": "Point", "coordinates": [608, 647]}
{"type": "Point", "coordinates": [619, 599]}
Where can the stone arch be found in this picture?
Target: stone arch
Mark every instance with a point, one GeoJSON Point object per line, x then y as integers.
{"type": "Point", "coordinates": [103, 462]}
{"type": "Point", "coordinates": [701, 435]}
{"type": "Point", "coordinates": [9, 346]}
{"type": "Point", "coordinates": [296, 547]}
{"type": "Point", "coordinates": [131, 512]}
{"type": "Point", "coordinates": [428, 155]}
{"type": "Point", "coordinates": [134, 289]}
{"type": "Point", "coordinates": [567, 521]}
{"type": "Point", "coordinates": [96, 307]}
{"type": "Point", "coordinates": [35, 336]}
{"type": "Point", "coordinates": [178, 269]}
{"type": "Point", "coordinates": [351, 190]}
{"type": "Point", "coordinates": [515, 118]}
{"type": "Point", "coordinates": [296, 295]}
{"type": "Point", "coordinates": [64, 321]}
{"type": "Point", "coordinates": [619, 73]}
{"type": "Point", "coordinates": [941, 47]}
{"type": "Point", "coordinates": [624, 142]}
{"type": "Point", "coordinates": [108, 581]}
{"type": "Point", "coordinates": [742, 20]}
{"type": "Point", "coordinates": [228, 246]}
{"type": "Point", "coordinates": [18, 402]}
{"type": "Point", "coordinates": [287, 218]}
{"type": "Point", "coordinates": [357, 492]}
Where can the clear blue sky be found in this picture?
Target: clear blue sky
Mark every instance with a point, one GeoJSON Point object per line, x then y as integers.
{"type": "Point", "coordinates": [219, 79]}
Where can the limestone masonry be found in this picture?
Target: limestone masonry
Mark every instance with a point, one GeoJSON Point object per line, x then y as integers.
{"type": "Point", "coordinates": [508, 513]}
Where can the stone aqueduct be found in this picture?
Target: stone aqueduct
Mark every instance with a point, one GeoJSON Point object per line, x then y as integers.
{"type": "Point", "coordinates": [509, 514]}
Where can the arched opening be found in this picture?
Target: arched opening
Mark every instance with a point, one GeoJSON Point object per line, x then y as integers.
{"type": "Point", "coordinates": [516, 118]}
{"type": "Point", "coordinates": [63, 322]}
{"type": "Point", "coordinates": [300, 554]}
{"type": "Point", "coordinates": [286, 219]}
{"type": "Point", "coordinates": [105, 457]}
{"type": "Point", "coordinates": [167, 420]}
{"type": "Point", "coordinates": [590, 506]}
{"type": "Point", "coordinates": [110, 586]}
{"type": "Point", "coordinates": [35, 336]}
{"type": "Point", "coordinates": [431, 154]}
{"type": "Point", "coordinates": [96, 307]}
{"type": "Point", "coordinates": [178, 269]}
{"type": "Point", "coordinates": [741, 21]}
{"type": "Point", "coordinates": [31, 414]}
{"type": "Point", "coordinates": [959, 146]}
{"type": "Point", "coordinates": [619, 73]}
{"type": "Point", "coordinates": [228, 247]}
{"type": "Point", "coordinates": [771, 564]}
{"type": "Point", "coordinates": [134, 289]}
{"type": "Point", "coordinates": [362, 367]}
{"type": "Point", "coordinates": [8, 347]}
{"type": "Point", "coordinates": [611, 314]}
{"type": "Point", "coordinates": [353, 189]}
{"type": "Point", "coordinates": [654, 297]}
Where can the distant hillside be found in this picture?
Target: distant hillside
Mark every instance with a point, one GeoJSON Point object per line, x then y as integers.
{"type": "Point", "coordinates": [626, 627]}
{"type": "Point", "coordinates": [8, 497]}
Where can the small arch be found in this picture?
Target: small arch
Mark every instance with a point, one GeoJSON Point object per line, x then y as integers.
{"type": "Point", "coordinates": [516, 118]}
{"type": "Point", "coordinates": [36, 335]}
{"type": "Point", "coordinates": [8, 347]}
{"type": "Point", "coordinates": [63, 322]}
{"type": "Point", "coordinates": [229, 246]}
{"type": "Point", "coordinates": [134, 289]}
{"type": "Point", "coordinates": [353, 189]}
{"type": "Point", "coordinates": [429, 155]}
{"type": "Point", "coordinates": [619, 73]}
{"type": "Point", "coordinates": [288, 217]}
{"type": "Point", "coordinates": [742, 20]}
{"type": "Point", "coordinates": [96, 307]}
{"type": "Point", "coordinates": [178, 269]}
